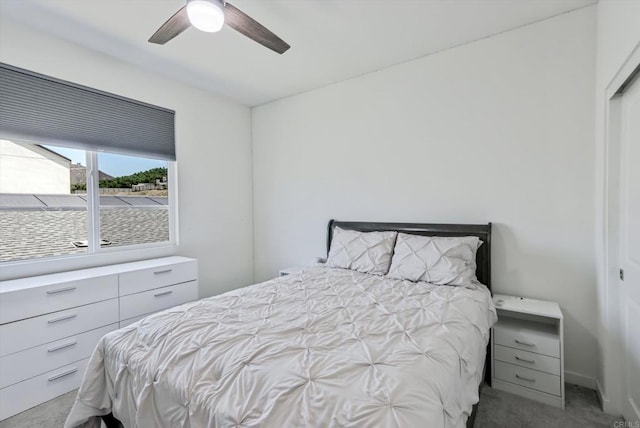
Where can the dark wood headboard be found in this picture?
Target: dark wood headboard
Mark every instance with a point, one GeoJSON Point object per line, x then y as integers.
{"type": "Point", "coordinates": [482, 231]}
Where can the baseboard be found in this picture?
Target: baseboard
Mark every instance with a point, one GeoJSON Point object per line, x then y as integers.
{"type": "Point", "coordinates": [604, 401]}
{"type": "Point", "coordinates": [579, 379]}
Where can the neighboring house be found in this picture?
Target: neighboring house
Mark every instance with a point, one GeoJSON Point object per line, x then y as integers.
{"type": "Point", "coordinates": [79, 174]}
{"type": "Point", "coordinates": [158, 185]}
{"type": "Point", "coordinates": [31, 168]}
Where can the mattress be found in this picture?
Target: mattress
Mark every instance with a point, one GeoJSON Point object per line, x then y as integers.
{"type": "Point", "coordinates": [323, 347]}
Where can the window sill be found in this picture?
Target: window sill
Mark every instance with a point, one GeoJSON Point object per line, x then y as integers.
{"type": "Point", "coordinates": [26, 268]}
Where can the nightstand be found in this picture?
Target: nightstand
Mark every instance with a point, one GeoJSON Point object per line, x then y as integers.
{"type": "Point", "coordinates": [290, 270]}
{"type": "Point", "coordinates": [527, 345]}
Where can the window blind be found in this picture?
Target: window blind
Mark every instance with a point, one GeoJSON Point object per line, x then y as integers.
{"type": "Point", "coordinates": [43, 109]}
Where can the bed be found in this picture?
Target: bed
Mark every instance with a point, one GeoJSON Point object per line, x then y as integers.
{"type": "Point", "coordinates": [322, 347]}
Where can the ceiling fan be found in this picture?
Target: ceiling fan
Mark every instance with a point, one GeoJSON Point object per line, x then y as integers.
{"type": "Point", "coordinates": [210, 16]}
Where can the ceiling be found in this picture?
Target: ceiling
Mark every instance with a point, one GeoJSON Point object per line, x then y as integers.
{"type": "Point", "coordinates": [331, 40]}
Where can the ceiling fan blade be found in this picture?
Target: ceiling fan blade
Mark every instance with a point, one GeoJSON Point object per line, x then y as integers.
{"type": "Point", "coordinates": [239, 21]}
{"type": "Point", "coordinates": [174, 26]}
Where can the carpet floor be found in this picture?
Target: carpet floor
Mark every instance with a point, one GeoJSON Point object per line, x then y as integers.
{"type": "Point", "coordinates": [497, 409]}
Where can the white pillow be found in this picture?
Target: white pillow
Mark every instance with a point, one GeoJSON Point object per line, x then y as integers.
{"type": "Point", "coordinates": [436, 259]}
{"type": "Point", "coordinates": [368, 252]}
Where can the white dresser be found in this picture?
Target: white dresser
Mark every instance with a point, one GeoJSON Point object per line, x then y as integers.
{"type": "Point", "coordinates": [50, 324]}
{"type": "Point", "coordinates": [527, 346]}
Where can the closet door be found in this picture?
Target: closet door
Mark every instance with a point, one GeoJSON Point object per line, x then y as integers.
{"type": "Point", "coordinates": [630, 250]}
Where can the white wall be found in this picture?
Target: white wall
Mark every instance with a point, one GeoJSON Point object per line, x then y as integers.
{"type": "Point", "coordinates": [31, 169]}
{"type": "Point", "coordinates": [213, 143]}
{"type": "Point", "coordinates": [497, 130]}
{"type": "Point", "coordinates": [618, 35]}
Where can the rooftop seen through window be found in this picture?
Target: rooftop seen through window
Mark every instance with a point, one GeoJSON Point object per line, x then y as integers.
{"type": "Point", "coordinates": [46, 209]}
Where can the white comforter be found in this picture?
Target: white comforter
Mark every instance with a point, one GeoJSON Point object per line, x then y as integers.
{"type": "Point", "coordinates": [325, 347]}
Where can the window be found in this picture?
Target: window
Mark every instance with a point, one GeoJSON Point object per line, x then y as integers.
{"type": "Point", "coordinates": [39, 217]}
{"type": "Point", "coordinates": [82, 171]}
{"type": "Point", "coordinates": [134, 200]}
{"type": "Point", "coordinates": [46, 207]}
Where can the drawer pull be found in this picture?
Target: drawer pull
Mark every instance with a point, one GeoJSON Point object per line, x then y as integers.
{"type": "Point", "coordinates": [520, 342]}
{"type": "Point", "coordinates": [529, 379]}
{"type": "Point", "coordinates": [66, 345]}
{"type": "Point", "coordinates": [525, 360]}
{"type": "Point", "coordinates": [60, 290]}
{"type": "Point", "coordinates": [64, 318]}
{"type": "Point", "coordinates": [164, 293]}
{"type": "Point", "coordinates": [61, 375]}
{"type": "Point", "coordinates": [158, 272]}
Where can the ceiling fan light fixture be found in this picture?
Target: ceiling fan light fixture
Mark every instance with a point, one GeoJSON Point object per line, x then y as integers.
{"type": "Point", "coordinates": [206, 15]}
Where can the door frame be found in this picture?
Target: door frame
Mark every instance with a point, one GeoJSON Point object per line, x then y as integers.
{"type": "Point", "coordinates": [607, 242]}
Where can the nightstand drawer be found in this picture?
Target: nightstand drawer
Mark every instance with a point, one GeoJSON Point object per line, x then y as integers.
{"type": "Point", "coordinates": [157, 300]}
{"type": "Point", "coordinates": [291, 270]}
{"type": "Point", "coordinates": [527, 336]}
{"type": "Point", "coordinates": [529, 378]}
{"type": "Point", "coordinates": [156, 277]}
{"type": "Point", "coordinates": [529, 360]}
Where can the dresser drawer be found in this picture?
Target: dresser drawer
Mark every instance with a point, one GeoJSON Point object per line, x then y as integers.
{"type": "Point", "coordinates": [26, 364]}
{"type": "Point", "coordinates": [150, 301]}
{"type": "Point", "coordinates": [533, 379]}
{"type": "Point", "coordinates": [130, 321]}
{"type": "Point", "coordinates": [527, 336]}
{"type": "Point", "coordinates": [527, 359]}
{"type": "Point", "coordinates": [160, 276]}
{"type": "Point", "coordinates": [24, 395]}
{"type": "Point", "coordinates": [56, 297]}
{"type": "Point", "coordinates": [31, 332]}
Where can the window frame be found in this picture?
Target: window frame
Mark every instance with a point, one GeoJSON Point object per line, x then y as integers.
{"type": "Point", "coordinates": [97, 255]}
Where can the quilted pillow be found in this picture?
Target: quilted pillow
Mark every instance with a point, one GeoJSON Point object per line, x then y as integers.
{"type": "Point", "coordinates": [436, 259]}
{"type": "Point", "coordinates": [368, 252]}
